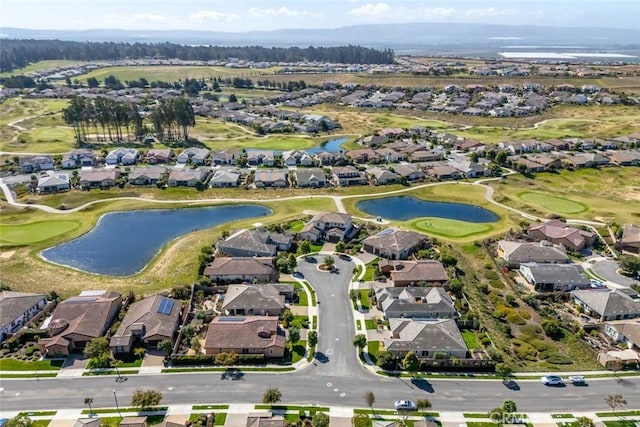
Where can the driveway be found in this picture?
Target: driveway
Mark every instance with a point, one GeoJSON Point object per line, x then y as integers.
{"type": "Point", "coordinates": [608, 269]}
{"type": "Point", "coordinates": [336, 355]}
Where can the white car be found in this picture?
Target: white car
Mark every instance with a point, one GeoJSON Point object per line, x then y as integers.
{"type": "Point", "coordinates": [405, 405]}
{"type": "Point", "coordinates": [552, 380]}
{"type": "Point", "coordinates": [577, 380]}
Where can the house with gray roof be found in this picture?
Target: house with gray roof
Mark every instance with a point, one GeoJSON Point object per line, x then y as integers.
{"type": "Point", "coordinates": [53, 182]}
{"type": "Point", "coordinates": [554, 277]}
{"type": "Point", "coordinates": [225, 179]}
{"type": "Point", "coordinates": [409, 172]}
{"type": "Point", "coordinates": [630, 240]}
{"type": "Point", "coordinates": [17, 309]}
{"type": "Point", "coordinates": [416, 303]}
{"type": "Point", "coordinates": [81, 157]}
{"type": "Point", "coordinates": [311, 177]}
{"type": "Point", "coordinates": [425, 338]}
{"type": "Point", "coordinates": [393, 243]}
{"type": "Point", "coordinates": [543, 252]}
{"type": "Point", "coordinates": [156, 156]}
{"type": "Point", "coordinates": [265, 178]}
{"type": "Point", "coordinates": [258, 300]}
{"type": "Point", "coordinates": [188, 177]}
{"type": "Point", "coordinates": [226, 157]}
{"type": "Point", "coordinates": [383, 176]}
{"type": "Point", "coordinates": [608, 304]}
{"type": "Point", "coordinates": [242, 269]}
{"type": "Point", "coordinates": [193, 155]}
{"type": "Point", "coordinates": [624, 331]}
{"type": "Point", "coordinates": [149, 175]}
{"type": "Point", "coordinates": [98, 178]}
{"type": "Point", "coordinates": [36, 163]}
{"type": "Point", "coordinates": [329, 226]}
{"type": "Point", "coordinates": [345, 176]}
{"type": "Point", "coordinates": [252, 243]}
{"type": "Point", "coordinates": [147, 321]}
{"type": "Point", "coordinates": [122, 156]}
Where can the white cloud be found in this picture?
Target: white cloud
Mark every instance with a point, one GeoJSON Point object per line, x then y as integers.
{"type": "Point", "coordinates": [283, 11]}
{"type": "Point", "coordinates": [212, 15]}
{"type": "Point", "coordinates": [436, 13]}
{"type": "Point", "coordinates": [490, 12]}
{"type": "Point", "coordinates": [135, 19]}
{"type": "Point", "coordinates": [371, 10]}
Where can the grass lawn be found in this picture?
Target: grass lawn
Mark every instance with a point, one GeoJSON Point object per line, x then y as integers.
{"type": "Point", "coordinates": [364, 299]}
{"type": "Point", "coordinates": [551, 203]}
{"type": "Point", "coordinates": [562, 416]}
{"type": "Point", "coordinates": [170, 73]}
{"type": "Point", "coordinates": [298, 350]}
{"type": "Point", "coordinates": [40, 423]}
{"type": "Point", "coordinates": [370, 323]}
{"type": "Point", "coordinates": [196, 407]}
{"type": "Point", "coordinates": [296, 226]}
{"type": "Point", "coordinates": [618, 414]}
{"type": "Point", "coordinates": [34, 232]}
{"type": "Point", "coordinates": [621, 423]}
{"type": "Point", "coordinates": [10, 364]}
{"type": "Point", "coordinates": [372, 348]}
{"type": "Point", "coordinates": [451, 228]}
{"type": "Point", "coordinates": [470, 340]}
{"type": "Point", "coordinates": [314, 322]}
{"type": "Point", "coordinates": [37, 413]}
{"type": "Point", "coordinates": [312, 292]}
{"type": "Point", "coordinates": [370, 271]}
{"type": "Point", "coordinates": [302, 295]}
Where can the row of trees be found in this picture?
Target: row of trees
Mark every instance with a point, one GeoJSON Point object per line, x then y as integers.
{"type": "Point", "coordinates": [122, 121]}
{"type": "Point", "coordinates": [19, 53]}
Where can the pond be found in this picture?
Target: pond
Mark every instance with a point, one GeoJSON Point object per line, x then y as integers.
{"type": "Point", "coordinates": [403, 208]}
{"type": "Point", "coordinates": [333, 145]}
{"type": "Point", "coordinates": [123, 243]}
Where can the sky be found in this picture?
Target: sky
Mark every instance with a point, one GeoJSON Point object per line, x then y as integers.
{"type": "Point", "coordinates": [249, 15]}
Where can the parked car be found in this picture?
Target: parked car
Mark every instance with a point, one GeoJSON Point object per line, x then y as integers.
{"type": "Point", "coordinates": [552, 380]}
{"type": "Point", "coordinates": [577, 380]}
{"type": "Point", "coordinates": [405, 405]}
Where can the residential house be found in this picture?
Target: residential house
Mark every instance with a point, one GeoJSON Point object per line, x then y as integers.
{"type": "Point", "coordinates": [133, 422]}
{"type": "Point", "coordinates": [557, 144]}
{"type": "Point", "coordinates": [265, 419]}
{"type": "Point", "coordinates": [383, 176]}
{"type": "Point", "coordinates": [36, 164]}
{"type": "Point", "coordinates": [296, 158]}
{"type": "Point", "coordinates": [388, 155]}
{"type": "Point", "coordinates": [426, 338]}
{"type": "Point", "coordinates": [98, 178]}
{"type": "Point", "coordinates": [543, 252]}
{"type": "Point", "coordinates": [157, 156]}
{"type": "Point", "coordinates": [242, 269]}
{"type": "Point", "coordinates": [245, 335]}
{"type": "Point", "coordinates": [149, 321]}
{"type": "Point", "coordinates": [443, 172]}
{"type": "Point", "coordinates": [549, 162]}
{"type": "Point", "coordinates": [270, 178]}
{"type": "Point", "coordinates": [225, 178]}
{"type": "Point", "coordinates": [188, 177]}
{"type": "Point", "coordinates": [609, 304]}
{"type": "Point", "coordinates": [260, 157]}
{"type": "Point", "coordinates": [226, 157]}
{"type": "Point", "coordinates": [257, 300]}
{"type": "Point", "coordinates": [625, 331]}
{"type": "Point", "coordinates": [122, 156]}
{"type": "Point", "coordinates": [329, 226]}
{"type": "Point", "coordinates": [409, 172]}
{"type": "Point", "coordinates": [630, 240]}
{"type": "Point", "coordinates": [194, 156]}
{"type": "Point", "coordinates": [625, 158]}
{"type": "Point", "coordinates": [345, 176]}
{"type": "Point", "coordinates": [554, 277]}
{"type": "Point", "coordinates": [53, 182]}
{"type": "Point", "coordinates": [469, 169]}
{"type": "Point", "coordinates": [414, 273]}
{"type": "Point", "coordinates": [556, 232]}
{"type": "Point", "coordinates": [393, 244]}
{"type": "Point", "coordinates": [254, 243]}
{"type": "Point", "coordinates": [310, 178]}
{"type": "Point", "coordinates": [365, 155]}
{"type": "Point", "coordinates": [149, 175]}
{"type": "Point", "coordinates": [415, 303]}
{"type": "Point", "coordinates": [17, 309]}
{"type": "Point", "coordinates": [78, 320]}
{"type": "Point", "coordinates": [527, 165]}
{"type": "Point", "coordinates": [80, 157]}
{"type": "Point", "coordinates": [325, 158]}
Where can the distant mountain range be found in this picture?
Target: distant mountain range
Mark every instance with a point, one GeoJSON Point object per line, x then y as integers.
{"type": "Point", "coordinates": [413, 37]}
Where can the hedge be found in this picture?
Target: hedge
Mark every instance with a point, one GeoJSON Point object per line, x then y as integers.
{"type": "Point", "coordinates": [243, 359]}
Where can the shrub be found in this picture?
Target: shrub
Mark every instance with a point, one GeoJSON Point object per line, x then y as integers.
{"type": "Point", "coordinates": [524, 350]}
{"type": "Point", "coordinates": [31, 349]}
{"type": "Point", "coordinates": [559, 359]}
{"type": "Point", "coordinates": [497, 284]}
{"type": "Point", "coordinates": [533, 330]}
{"type": "Point", "coordinates": [514, 318]}
{"type": "Point", "coordinates": [491, 275]}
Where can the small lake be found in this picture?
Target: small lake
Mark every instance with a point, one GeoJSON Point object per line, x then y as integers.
{"type": "Point", "coordinates": [333, 145]}
{"type": "Point", "coordinates": [123, 243]}
{"type": "Point", "coordinates": [403, 208]}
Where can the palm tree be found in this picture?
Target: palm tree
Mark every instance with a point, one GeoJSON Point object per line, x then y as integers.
{"type": "Point", "coordinates": [89, 401]}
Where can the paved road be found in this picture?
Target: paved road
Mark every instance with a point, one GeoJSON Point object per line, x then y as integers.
{"type": "Point", "coordinates": [336, 353]}
{"type": "Point", "coordinates": [608, 269]}
{"type": "Point", "coordinates": [305, 388]}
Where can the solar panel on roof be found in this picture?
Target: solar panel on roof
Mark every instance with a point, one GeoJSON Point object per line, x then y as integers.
{"type": "Point", "coordinates": [231, 319]}
{"type": "Point", "coordinates": [166, 305]}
